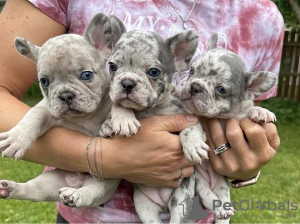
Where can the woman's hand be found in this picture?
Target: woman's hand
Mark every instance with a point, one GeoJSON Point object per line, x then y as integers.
{"type": "Point", "coordinates": [154, 155]}
{"type": "Point", "coordinates": [244, 158]}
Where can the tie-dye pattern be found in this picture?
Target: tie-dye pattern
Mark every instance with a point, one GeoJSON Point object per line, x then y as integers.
{"type": "Point", "coordinates": [252, 29]}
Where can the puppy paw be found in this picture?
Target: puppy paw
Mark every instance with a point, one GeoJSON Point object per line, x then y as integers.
{"type": "Point", "coordinates": [261, 115]}
{"type": "Point", "coordinates": [7, 188]}
{"type": "Point", "coordinates": [195, 152]}
{"type": "Point", "coordinates": [126, 127]}
{"type": "Point", "coordinates": [13, 145]}
{"type": "Point", "coordinates": [225, 214]}
{"type": "Point", "coordinates": [106, 129]}
{"type": "Point", "coordinates": [71, 197]}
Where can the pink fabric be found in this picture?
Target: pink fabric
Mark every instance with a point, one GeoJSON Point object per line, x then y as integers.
{"type": "Point", "coordinates": [252, 29]}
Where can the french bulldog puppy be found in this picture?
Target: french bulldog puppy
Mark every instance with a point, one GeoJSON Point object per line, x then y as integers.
{"type": "Point", "coordinates": [141, 68]}
{"type": "Point", "coordinates": [219, 86]}
{"type": "Point", "coordinates": [75, 88]}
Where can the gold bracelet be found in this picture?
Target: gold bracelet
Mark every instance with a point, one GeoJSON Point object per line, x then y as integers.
{"type": "Point", "coordinates": [244, 183]}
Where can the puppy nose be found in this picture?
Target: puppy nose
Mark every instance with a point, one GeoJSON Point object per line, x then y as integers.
{"type": "Point", "coordinates": [195, 88]}
{"type": "Point", "coordinates": [66, 97]}
{"type": "Point", "coordinates": [128, 85]}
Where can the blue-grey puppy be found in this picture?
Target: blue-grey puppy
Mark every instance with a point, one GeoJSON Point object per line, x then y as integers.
{"type": "Point", "coordinates": [141, 67]}
{"type": "Point", "coordinates": [219, 86]}
{"type": "Point", "coordinates": [75, 87]}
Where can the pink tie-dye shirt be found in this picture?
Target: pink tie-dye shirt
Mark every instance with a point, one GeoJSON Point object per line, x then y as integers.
{"type": "Point", "coordinates": [252, 29]}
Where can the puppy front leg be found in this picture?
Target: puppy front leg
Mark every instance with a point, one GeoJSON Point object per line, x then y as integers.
{"type": "Point", "coordinates": [15, 142]}
{"type": "Point", "coordinates": [147, 210]}
{"type": "Point", "coordinates": [42, 188]}
{"type": "Point", "coordinates": [193, 142]}
{"type": "Point", "coordinates": [92, 193]}
{"type": "Point", "coordinates": [123, 121]}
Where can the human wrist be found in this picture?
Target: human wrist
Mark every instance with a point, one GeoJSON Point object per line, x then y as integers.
{"type": "Point", "coordinates": [113, 157]}
{"type": "Point", "coordinates": [244, 183]}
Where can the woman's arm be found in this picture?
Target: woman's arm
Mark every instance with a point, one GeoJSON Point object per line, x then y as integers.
{"type": "Point", "coordinates": [154, 156]}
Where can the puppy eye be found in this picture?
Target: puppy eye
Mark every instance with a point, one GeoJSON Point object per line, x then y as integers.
{"type": "Point", "coordinates": [113, 67]}
{"type": "Point", "coordinates": [221, 90]}
{"type": "Point", "coordinates": [153, 72]}
{"type": "Point", "coordinates": [87, 75]}
{"type": "Point", "coordinates": [192, 71]}
{"type": "Point", "coordinates": [45, 82]}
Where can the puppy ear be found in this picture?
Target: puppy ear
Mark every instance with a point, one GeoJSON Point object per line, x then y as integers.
{"type": "Point", "coordinates": [99, 33]}
{"type": "Point", "coordinates": [27, 49]}
{"type": "Point", "coordinates": [258, 83]}
{"type": "Point", "coordinates": [117, 27]}
{"type": "Point", "coordinates": [182, 47]}
{"type": "Point", "coordinates": [212, 41]}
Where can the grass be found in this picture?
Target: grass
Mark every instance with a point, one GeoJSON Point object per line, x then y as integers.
{"type": "Point", "coordinates": [16, 211]}
{"type": "Point", "coordinates": [278, 183]}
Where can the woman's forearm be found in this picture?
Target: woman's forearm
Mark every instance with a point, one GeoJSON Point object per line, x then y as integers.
{"type": "Point", "coordinates": [154, 156]}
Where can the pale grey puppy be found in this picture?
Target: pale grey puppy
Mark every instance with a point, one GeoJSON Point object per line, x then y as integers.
{"type": "Point", "coordinates": [141, 67]}
{"type": "Point", "coordinates": [220, 86]}
{"type": "Point", "coordinates": [75, 88]}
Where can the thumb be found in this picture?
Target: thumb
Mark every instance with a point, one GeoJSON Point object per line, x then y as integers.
{"type": "Point", "coordinates": [176, 122]}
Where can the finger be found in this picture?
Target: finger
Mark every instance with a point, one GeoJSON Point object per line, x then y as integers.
{"type": "Point", "coordinates": [255, 134]}
{"type": "Point", "coordinates": [272, 135]}
{"type": "Point", "coordinates": [258, 141]}
{"type": "Point", "coordinates": [187, 172]}
{"type": "Point", "coordinates": [218, 138]}
{"type": "Point", "coordinates": [215, 160]}
{"type": "Point", "coordinates": [235, 137]}
{"type": "Point", "coordinates": [216, 132]}
{"type": "Point", "coordinates": [227, 162]}
{"type": "Point", "coordinates": [172, 179]}
{"type": "Point", "coordinates": [173, 123]}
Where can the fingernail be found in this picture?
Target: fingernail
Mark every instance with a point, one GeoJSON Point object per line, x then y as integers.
{"type": "Point", "coordinates": [191, 118]}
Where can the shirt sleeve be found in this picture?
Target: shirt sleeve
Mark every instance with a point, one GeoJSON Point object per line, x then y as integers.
{"type": "Point", "coordinates": [55, 9]}
{"type": "Point", "coordinates": [270, 57]}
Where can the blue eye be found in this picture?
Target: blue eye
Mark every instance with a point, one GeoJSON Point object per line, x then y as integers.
{"type": "Point", "coordinates": [192, 71]}
{"type": "Point", "coordinates": [113, 67]}
{"type": "Point", "coordinates": [45, 82]}
{"type": "Point", "coordinates": [87, 75]}
{"type": "Point", "coordinates": [221, 90]}
{"type": "Point", "coordinates": [153, 72]}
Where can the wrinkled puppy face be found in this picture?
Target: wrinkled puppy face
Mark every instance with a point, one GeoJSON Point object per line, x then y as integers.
{"type": "Point", "coordinates": [72, 76]}
{"type": "Point", "coordinates": [215, 84]}
{"type": "Point", "coordinates": [141, 69]}
{"type": "Point", "coordinates": [219, 82]}
{"type": "Point", "coordinates": [71, 68]}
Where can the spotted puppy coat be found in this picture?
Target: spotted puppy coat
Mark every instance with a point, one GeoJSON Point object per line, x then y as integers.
{"type": "Point", "coordinates": [219, 86]}
{"type": "Point", "coordinates": [74, 83]}
{"type": "Point", "coordinates": [141, 68]}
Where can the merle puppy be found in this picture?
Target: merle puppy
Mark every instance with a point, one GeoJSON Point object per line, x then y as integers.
{"type": "Point", "coordinates": [219, 86]}
{"type": "Point", "coordinates": [75, 87]}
